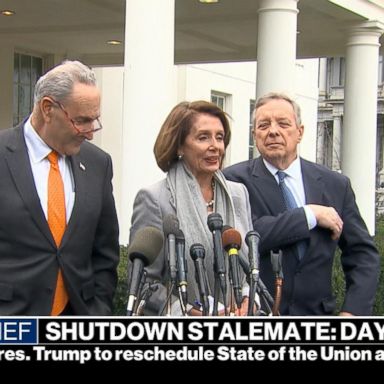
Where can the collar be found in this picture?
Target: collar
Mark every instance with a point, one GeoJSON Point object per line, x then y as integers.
{"type": "Point", "coordinates": [38, 150]}
{"type": "Point", "coordinates": [294, 169]}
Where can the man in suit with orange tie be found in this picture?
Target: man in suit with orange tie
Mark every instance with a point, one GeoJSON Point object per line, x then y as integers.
{"type": "Point", "coordinates": [59, 245]}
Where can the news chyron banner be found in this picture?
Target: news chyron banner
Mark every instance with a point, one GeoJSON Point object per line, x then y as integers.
{"type": "Point", "coordinates": [135, 339]}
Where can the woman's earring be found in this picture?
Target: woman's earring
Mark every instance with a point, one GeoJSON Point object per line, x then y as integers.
{"type": "Point", "coordinates": [180, 156]}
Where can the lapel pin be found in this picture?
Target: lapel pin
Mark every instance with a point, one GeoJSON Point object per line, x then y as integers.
{"type": "Point", "coordinates": [82, 166]}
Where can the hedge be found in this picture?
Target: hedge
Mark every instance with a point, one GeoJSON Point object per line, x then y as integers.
{"type": "Point", "coordinates": [338, 276]}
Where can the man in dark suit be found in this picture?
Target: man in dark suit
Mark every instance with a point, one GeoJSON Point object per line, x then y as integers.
{"type": "Point", "coordinates": [80, 266]}
{"type": "Point", "coordinates": [322, 216]}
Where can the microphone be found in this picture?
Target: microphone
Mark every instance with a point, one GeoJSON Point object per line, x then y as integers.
{"type": "Point", "coordinates": [252, 239]}
{"type": "Point", "coordinates": [197, 253]}
{"type": "Point", "coordinates": [215, 225]}
{"type": "Point", "coordinates": [142, 251]}
{"type": "Point", "coordinates": [170, 228]}
{"type": "Point", "coordinates": [261, 288]}
{"type": "Point", "coordinates": [141, 285]}
{"type": "Point", "coordinates": [251, 268]}
{"type": "Point", "coordinates": [182, 268]}
{"type": "Point", "coordinates": [232, 244]}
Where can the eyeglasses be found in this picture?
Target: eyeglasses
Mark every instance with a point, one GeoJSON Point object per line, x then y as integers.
{"type": "Point", "coordinates": [82, 124]}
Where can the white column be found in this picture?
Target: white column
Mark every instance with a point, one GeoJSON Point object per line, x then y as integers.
{"type": "Point", "coordinates": [110, 81]}
{"type": "Point", "coordinates": [320, 142]}
{"type": "Point", "coordinates": [336, 143]}
{"type": "Point", "coordinates": [6, 86]}
{"type": "Point", "coordinates": [276, 46]}
{"type": "Point", "coordinates": [322, 77]}
{"type": "Point", "coordinates": [359, 130]}
{"type": "Point", "coordinates": [149, 94]}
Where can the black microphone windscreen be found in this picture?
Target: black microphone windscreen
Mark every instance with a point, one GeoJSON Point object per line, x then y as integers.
{"type": "Point", "coordinates": [215, 222]}
{"type": "Point", "coordinates": [250, 234]}
{"type": "Point", "coordinates": [170, 224]}
{"type": "Point", "coordinates": [231, 237]}
{"type": "Point", "coordinates": [146, 245]}
{"type": "Point", "coordinates": [197, 251]}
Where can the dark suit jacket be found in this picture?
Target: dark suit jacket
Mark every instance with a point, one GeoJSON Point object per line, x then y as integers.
{"type": "Point", "coordinates": [29, 258]}
{"type": "Point", "coordinates": [307, 284]}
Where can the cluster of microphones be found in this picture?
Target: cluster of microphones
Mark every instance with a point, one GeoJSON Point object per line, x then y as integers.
{"type": "Point", "coordinates": [148, 243]}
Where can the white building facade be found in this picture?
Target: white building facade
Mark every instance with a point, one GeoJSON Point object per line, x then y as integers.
{"type": "Point", "coordinates": [160, 36]}
{"type": "Point", "coordinates": [232, 86]}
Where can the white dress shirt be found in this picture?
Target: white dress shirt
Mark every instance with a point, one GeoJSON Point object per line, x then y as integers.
{"type": "Point", "coordinates": [38, 152]}
{"type": "Point", "coordinates": [294, 181]}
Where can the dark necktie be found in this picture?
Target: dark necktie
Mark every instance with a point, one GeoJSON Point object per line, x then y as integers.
{"type": "Point", "coordinates": [290, 203]}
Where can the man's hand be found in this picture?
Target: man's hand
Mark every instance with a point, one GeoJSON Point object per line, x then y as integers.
{"type": "Point", "coordinates": [345, 314]}
{"type": "Point", "coordinates": [327, 217]}
{"type": "Point", "coordinates": [243, 310]}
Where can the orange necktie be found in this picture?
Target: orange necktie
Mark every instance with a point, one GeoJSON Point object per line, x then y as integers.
{"type": "Point", "coordinates": [57, 224]}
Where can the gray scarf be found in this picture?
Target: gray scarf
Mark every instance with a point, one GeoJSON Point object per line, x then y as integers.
{"type": "Point", "coordinates": [191, 210]}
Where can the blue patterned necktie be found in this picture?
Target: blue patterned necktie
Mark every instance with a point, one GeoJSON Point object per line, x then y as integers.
{"type": "Point", "coordinates": [289, 200]}
{"type": "Point", "coordinates": [290, 203]}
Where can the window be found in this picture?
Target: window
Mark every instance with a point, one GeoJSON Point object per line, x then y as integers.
{"type": "Point", "coordinates": [27, 69]}
{"type": "Point", "coordinates": [335, 73]}
{"type": "Point", "coordinates": [218, 99]}
{"type": "Point", "coordinates": [251, 150]}
{"type": "Point", "coordinates": [325, 143]}
{"type": "Point", "coordinates": [223, 101]}
{"type": "Point", "coordinates": [342, 71]}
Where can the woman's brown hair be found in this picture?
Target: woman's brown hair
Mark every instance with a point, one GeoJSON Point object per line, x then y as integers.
{"type": "Point", "coordinates": [177, 126]}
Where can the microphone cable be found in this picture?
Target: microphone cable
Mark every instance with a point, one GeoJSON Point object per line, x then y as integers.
{"type": "Point", "coordinates": [276, 260]}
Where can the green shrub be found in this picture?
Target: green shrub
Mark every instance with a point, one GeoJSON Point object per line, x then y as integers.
{"type": "Point", "coordinates": [338, 282]}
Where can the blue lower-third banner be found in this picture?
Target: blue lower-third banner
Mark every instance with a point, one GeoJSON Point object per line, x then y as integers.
{"type": "Point", "coordinates": [136, 339]}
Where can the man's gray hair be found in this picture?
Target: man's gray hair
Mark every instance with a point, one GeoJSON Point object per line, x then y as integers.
{"type": "Point", "coordinates": [59, 81]}
{"type": "Point", "coordinates": [277, 96]}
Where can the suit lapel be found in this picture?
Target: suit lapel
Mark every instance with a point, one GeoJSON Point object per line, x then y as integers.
{"type": "Point", "coordinates": [267, 186]}
{"type": "Point", "coordinates": [19, 165]}
{"type": "Point", "coordinates": [313, 188]}
{"type": "Point", "coordinates": [79, 172]}
{"type": "Point", "coordinates": [269, 191]}
{"type": "Point", "coordinates": [313, 183]}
